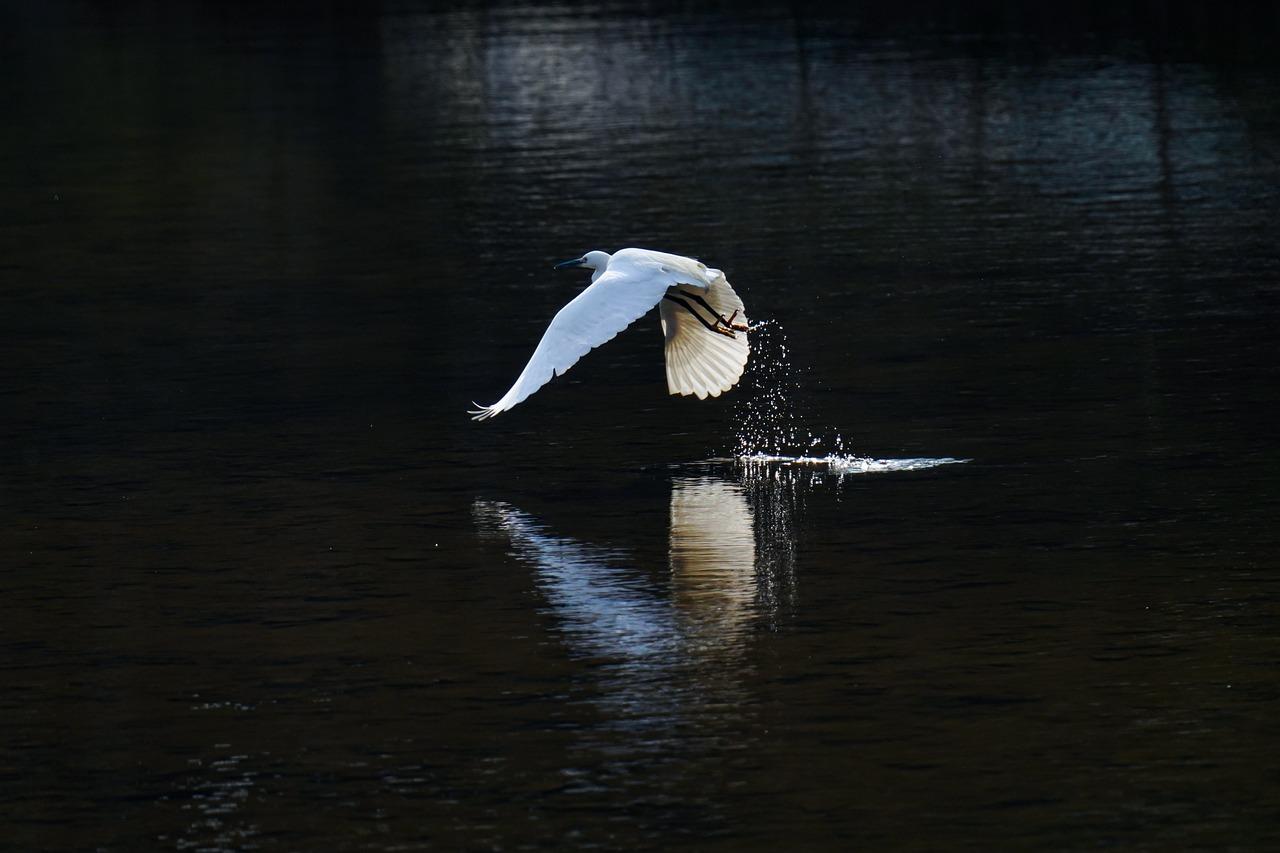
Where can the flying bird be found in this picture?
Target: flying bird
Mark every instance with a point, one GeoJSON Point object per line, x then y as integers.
{"type": "Point", "coordinates": [703, 320]}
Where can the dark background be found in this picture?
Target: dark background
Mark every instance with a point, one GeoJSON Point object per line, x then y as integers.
{"type": "Point", "coordinates": [266, 586]}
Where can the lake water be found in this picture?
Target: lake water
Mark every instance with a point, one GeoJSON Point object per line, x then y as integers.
{"type": "Point", "coordinates": [267, 587]}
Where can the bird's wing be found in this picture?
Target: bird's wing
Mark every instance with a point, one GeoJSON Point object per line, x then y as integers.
{"type": "Point", "coordinates": [596, 315]}
{"type": "Point", "coordinates": [700, 361]}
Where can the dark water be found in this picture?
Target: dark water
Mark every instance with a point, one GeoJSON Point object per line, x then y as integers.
{"type": "Point", "coordinates": [266, 587]}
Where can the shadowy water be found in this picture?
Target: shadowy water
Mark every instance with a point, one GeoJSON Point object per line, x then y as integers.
{"type": "Point", "coordinates": [266, 586]}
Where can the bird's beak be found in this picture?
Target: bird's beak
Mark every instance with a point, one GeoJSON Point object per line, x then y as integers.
{"type": "Point", "coordinates": [564, 265]}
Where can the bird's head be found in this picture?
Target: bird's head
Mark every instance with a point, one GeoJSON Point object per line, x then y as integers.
{"type": "Point", "coordinates": [591, 260]}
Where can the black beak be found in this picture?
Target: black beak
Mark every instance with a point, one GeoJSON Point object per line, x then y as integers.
{"type": "Point", "coordinates": [564, 265]}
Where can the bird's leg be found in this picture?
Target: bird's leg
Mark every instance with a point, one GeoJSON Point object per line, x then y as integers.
{"type": "Point", "coordinates": [727, 332]}
{"type": "Point", "coordinates": [728, 324]}
{"type": "Point", "coordinates": [740, 327]}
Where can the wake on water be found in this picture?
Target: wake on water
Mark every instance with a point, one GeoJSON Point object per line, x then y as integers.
{"type": "Point", "coordinates": [770, 432]}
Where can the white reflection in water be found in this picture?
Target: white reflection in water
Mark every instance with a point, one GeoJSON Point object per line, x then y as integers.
{"type": "Point", "coordinates": [713, 558]}
{"type": "Point", "coordinates": [217, 787]}
{"type": "Point", "coordinates": [667, 651]}
{"type": "Point", "coordinates": [602, 604]}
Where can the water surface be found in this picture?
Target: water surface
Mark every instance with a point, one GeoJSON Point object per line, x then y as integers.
{"type": "Point", "coordinates": [268, 587]}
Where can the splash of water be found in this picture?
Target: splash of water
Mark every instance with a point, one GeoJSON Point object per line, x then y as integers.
{"type": "Point", "coordinates": [850, 464]}
{"type": "Point", "coordinates": [766, 413]}
{"type": "Point", "coordinates": [770, 431]}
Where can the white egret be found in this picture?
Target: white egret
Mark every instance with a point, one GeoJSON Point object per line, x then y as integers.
{"type": "Point", "coordinates": [701, 321]}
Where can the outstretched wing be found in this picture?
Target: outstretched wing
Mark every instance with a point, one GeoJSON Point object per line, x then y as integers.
{"type": "Point", "coordinates": [700, 361]}
{"type": "Point", "coordinates": [616, 300]}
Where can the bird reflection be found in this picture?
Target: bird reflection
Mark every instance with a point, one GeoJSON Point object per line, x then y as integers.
{"type": "Point", "coordinates": [664, 650]}
{"type": "Point", "coordinates": [603, 609]}
{"type": "Point", "coordinates": [713, 558]}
